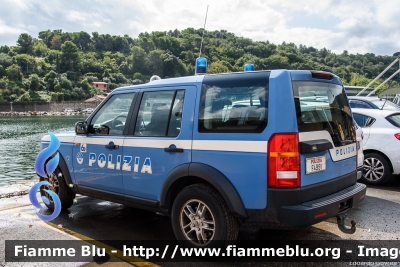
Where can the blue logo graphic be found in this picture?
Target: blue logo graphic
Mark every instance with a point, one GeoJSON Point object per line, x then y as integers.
{"type": "Point", "coordinates": [46, 170]}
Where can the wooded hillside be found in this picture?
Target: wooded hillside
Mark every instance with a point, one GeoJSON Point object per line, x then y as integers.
{"type": "Point", "coordinates": [61, 65]}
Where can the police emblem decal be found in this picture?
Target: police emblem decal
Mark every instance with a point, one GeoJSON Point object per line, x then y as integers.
{"type": "Point", "coordinates": [79, 157]}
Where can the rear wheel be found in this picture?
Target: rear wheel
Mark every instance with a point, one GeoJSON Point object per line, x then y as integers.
{"type": "Point", "coordinates": [376, 169]}
{"type": "Point", "coordinates": [60, 187]}
{"type": "Point", "coordinates": [201, 218]}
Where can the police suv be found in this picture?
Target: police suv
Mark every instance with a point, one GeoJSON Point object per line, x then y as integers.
{"type": "Point", "coordinates": [272, 149]}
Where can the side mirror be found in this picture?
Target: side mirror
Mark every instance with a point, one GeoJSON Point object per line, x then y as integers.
{"type": "Point", "coordinates": [81, 127]}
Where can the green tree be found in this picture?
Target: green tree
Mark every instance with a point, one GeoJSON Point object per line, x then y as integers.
{"type": "Point", "coordinates": [91, 64]}
{"type": "Point", "coordinates": [40, 49]}
{"type": "Point", "coordinates": [46, 37]}
{"type": "Point", "coordinates": [5, 60]}
{"type": "Point", "coordinates": [56, 42]}
{"type": "Point", "coordinates": [34, 82]}
{"type": "Point", "coordinates": [3, 84]}
{"type": "Point", "coordinates": [217, 67]}
{"type": "Point", "coordinates": [25, 43]}
{"type": "Point", "coordinates": [4, 49]}
{"type": "Point", "coordinates": [155, 62]}
{"type": "Point", "coordinates": [124, 68]}
{"type": "Point", "coordinates": [82, 40]}
{"type": "Point", "coordinates": [26, 62]}
{"type": "Point", "coordinates": [139, 57]}
{"type": "Point", "coordinates": [276, 62]}
{"type": "Point", "coordinates": [57, 87]}
{"type": "Point", "coordinates": [13, 72]}
{"type": "Point", "coordinates": [173, 66]}
{"type": "Point", "coordinates": [65, 84]}
{"type": "Point", "coordinates": [71, 59]}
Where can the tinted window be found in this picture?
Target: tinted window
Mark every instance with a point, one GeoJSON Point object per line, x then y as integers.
{"type": "Point", "coordinates": [175, 120]}
{"type": "Point", "coordinates": [359, 104]}
{"type": "Point", "coordinates": [111, 117]}
{"type": "Point", "coordinates": [363, 120]}
{"type": "Point", "coordinates": [234, 103]}
{"type": "Point", "coordinates": [160, 113]}
{"type": "Point", "coordinates": [394, 119]}
{"type": "Point", "coordinates": [324, 106]}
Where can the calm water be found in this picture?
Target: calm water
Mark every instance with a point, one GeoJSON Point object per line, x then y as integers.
{"type": "Point", "coordinates": [19, 143]}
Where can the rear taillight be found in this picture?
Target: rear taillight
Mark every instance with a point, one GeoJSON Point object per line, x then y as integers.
{"type": "Point", "coordinates": [284, 161]}
{"type": "Point", "coordinates": [397, 136]}
{"type": "Point", "coordinates": [322, 75]}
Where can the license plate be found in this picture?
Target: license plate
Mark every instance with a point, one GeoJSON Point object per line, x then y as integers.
{"type": "Point", "coordinates": [317, 164]}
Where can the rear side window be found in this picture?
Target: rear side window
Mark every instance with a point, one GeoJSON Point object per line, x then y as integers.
{"type": "Point", "coordinates": [363, 120]}
{"type": "Point", "coordinates": [160, 114]}
{"type": "Point", "coordinates": [234, 103]}
{"type": "Point", "coordinates": [324, 106]}
{"type": "Point", "coordinates": [394, 119]}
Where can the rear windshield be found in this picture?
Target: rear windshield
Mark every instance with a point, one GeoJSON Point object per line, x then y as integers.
{"type": "Point", "coordinates": [324, 106]}
{"type": "Point", "coordinates": [394, 119]}
{"type": "Point", "coordinates": [386, 104]}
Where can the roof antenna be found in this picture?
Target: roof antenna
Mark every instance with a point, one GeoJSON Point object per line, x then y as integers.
{"type": "Point", "coordinates": [201, 62]}
{"type": "Point", "coordinates": [204, 28]}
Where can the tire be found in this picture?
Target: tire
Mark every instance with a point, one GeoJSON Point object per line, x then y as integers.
{"type": "Point", "coordinates": [214, 226]}
{"type": "Point", "coordinates": [376, 169]}
{"type": "Point", "coordinates": [60, 187]}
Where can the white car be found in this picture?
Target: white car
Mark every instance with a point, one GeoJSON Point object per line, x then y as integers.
{"type": "Point", "coordinates": [381, 144]}
{"type": "Point", "coordinates": [360, 154]}
{"type": "Point", "coordinates": [88, 110]}
{"type": "Point", "coordinates": [69, 110]}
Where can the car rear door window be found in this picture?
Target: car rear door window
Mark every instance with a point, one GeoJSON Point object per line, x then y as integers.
{"type": "Point", "coordinates": [160, 113]}
{"type": "Point", "coordinates": [363, 120]}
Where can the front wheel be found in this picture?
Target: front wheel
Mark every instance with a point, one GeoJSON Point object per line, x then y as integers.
{"type": "Point", "coordinates": [201, 217]}
{"type": "Point", "coordinates": [376, 169]}
{"type": "Point", "coordinates": [60, 187]}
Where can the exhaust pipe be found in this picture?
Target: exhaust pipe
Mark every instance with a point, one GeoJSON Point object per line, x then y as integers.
{"type": "Point", "coordinates": [340, 221]}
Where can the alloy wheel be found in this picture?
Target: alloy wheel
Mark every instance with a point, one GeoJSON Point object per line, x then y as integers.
{"type": "Point", "coordinates": [374, 169]}
{"type": "Point", "coordinates": [197, 222]}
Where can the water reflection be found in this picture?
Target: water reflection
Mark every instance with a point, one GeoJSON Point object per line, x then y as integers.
{"type": "Point", "coordinates": [19, 143]}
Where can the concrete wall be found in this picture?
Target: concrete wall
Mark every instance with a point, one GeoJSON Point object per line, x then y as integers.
{"type": "Point", "coordinates": [44, 106]}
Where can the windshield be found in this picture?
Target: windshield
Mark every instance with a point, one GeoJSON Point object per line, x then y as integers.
{"type": "Point", "coordinates": [387, 105]}
{"type": "Point", "coordinates": [324, 106]}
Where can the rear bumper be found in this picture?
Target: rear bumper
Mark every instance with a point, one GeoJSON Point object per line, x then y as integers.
{"type": "Point", "coordinates": [320, 209]}
{"type": "Point", "coordinates": [288, 209]}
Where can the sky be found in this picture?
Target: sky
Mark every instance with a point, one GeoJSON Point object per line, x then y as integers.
{"type": "Point", "coordinates": [358, 26]}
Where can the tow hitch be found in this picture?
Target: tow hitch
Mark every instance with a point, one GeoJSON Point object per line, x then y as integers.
{"type": "Point", "coordinates": [340, 221]}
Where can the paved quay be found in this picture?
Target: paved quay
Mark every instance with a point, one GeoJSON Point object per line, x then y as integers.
{"type": "Point", "coordinates": [18, 221]}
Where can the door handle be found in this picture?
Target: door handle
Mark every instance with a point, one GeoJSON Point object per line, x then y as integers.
{"type": "Point", "coordinates": [173, 149]}
{"type": "Point", "coordinates": [111, 146]}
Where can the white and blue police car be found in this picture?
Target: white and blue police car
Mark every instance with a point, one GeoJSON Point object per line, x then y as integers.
{"type": "Point", "coordinates": [271, 149]}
